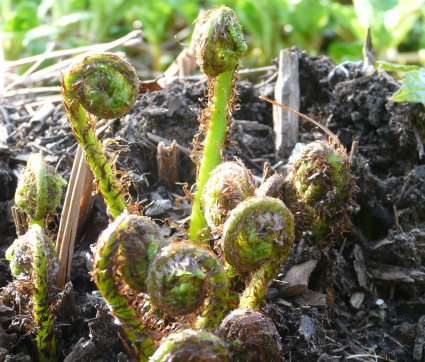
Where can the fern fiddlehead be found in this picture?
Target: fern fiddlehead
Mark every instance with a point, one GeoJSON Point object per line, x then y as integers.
{"type": "Point", "coordinates": [102, 85]}
{"type": "Point", "coordinates": [219, 46]}
{"type": "Point", "coordinates": [180, 278]}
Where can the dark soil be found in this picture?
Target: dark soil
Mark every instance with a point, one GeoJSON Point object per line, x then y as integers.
{"type": "Point", "coordinates": [365, 299]}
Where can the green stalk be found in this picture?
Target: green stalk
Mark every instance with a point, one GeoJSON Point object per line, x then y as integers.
{"type": "Point", "coordinates": [32, 256]}
{"type": "Point", "coordinates": [257, 288]}
{"type": "Point", "coordinates": [104, 85]}
{"type": "Point", "coordinates": [39, 169]}
{"type": "Point", "coordinates": [42, 253]}
{"type": "Point", "coordinates": [212, 151]}
{"type": "Point", "coordinates": [219, 46]}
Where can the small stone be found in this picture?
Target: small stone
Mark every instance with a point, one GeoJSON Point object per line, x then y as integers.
{"type": "Point", "coordinates": [356, 299]}
{"type": "Point", "coordinates": [158, 208]}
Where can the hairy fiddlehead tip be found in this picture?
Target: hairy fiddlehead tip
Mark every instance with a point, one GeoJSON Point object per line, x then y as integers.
{"type": "Point", "coordinates": [39, 188]}
{"type": "Point", "coordinates": [219, 41]}
{"type": "Point", "coordinates": [259, 229]}
{"type": "Point", "coordinates": [192, 345]}
{"type": "Point", "coordinates": [320, 187]}
{"type": "Point", "coordinates": [318, 170]}
{"type": "Point", "coordinates": [106, 84]}
{"type": "Point", "coordinates": [229, 184]}
{"type": "Point", "coordinates": [251, 336]}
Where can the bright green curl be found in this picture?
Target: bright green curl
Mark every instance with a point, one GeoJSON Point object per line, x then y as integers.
{"type": "Point", "coordinates": [181, 278]}
{"type": "Point", "coordinates": [219, 46]}
{"type": "Point", "coordinates": [107, 86]}
{"type": "Point", "coordinates": [257, 237]}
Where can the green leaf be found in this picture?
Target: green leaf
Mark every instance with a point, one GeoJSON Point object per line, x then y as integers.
{"type": "Point", "coordinates": [413, 88]}
{"type": "Point", "coordinates": [397, 67]}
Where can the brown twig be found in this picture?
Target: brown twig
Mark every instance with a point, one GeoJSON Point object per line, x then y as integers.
{"type": "Point", "coordinates": [321, 126]}
{"type": "Point", "coordinates": [69, 220]}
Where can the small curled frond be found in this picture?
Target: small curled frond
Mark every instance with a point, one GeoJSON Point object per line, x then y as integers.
{"type": "Point", "coordinates": [124, 251]}
{"type": "Point", "coordinates": [219, 41]}
{"type": "Point", "coordinates": [257, 238]}
{"type": "Point", "coordinates": [39, 189]}
{"type": "Point", "coordinates": [187, 278]}
{"type": "Point", "coordinates": [105, 84]}
{"type": "Point", "coordinates": [320, 188]}
{"type": "Point", "coordinates": [181, 278]}
{"type": "Point", "coordinates": [259, 229]}
{"type": "Point", "coordinates": [229, 184]}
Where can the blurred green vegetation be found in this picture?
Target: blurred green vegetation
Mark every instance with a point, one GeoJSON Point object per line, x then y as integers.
{"type": "Point", "coordinates": [335, 28]}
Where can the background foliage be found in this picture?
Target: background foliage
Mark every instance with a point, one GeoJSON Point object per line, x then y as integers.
{"type": "Point", "coordinates": [335, 28]}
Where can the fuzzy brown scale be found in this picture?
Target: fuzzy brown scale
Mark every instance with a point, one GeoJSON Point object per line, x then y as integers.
{"type": "Point", "coordinates": [251, 335]}
{"type": "Point", "coordinates": [272, 186]}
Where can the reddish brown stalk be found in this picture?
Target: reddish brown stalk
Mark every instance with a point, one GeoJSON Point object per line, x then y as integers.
{"type": "Point", "coordinates": [321, 126]}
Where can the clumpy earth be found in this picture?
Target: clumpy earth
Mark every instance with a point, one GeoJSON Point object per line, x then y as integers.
{"type": "Point", "coordinates": [365, 296]}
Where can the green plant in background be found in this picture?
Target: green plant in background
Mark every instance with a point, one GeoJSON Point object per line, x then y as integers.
{"type": "Point", "coordinates": [32, 255]}
{"type": "Point", "coordinates": [104, 85]}
{"type": "Point", "coordinates": [413, 82]}
{"type": "Point", "coordinates": [333, 27]}
{"type": "Point", "coordinates": [413, 88]}
{"type": "Point", "coordinates": [219, 46]}
{"type": "Point", "coordinates": [181, 278]}
{"type": "Point", "coordinates": [26, 27]}
{"type": "Point", "coordinates": [389, 21]}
